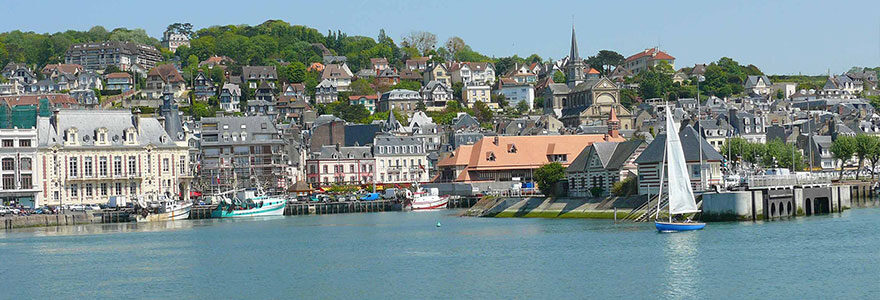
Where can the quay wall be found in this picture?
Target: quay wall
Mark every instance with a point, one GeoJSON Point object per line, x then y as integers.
{"type": "Point", "coordinates": [12, 222]}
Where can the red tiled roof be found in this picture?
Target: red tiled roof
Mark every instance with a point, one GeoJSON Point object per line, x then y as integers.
{"type": "Point", "coordinates": [62, 68]}
{"type": "Point", "coordinates": [167, 72]}
{"type": "Point", "coordinates": [653, 52]}
{"type": "Point", "coordinates": [118, 75]}
{"type": "Point", "coordinates": [356, 97]}
{"type": "Point", "coordinates": [592, 71]}
{"type": "Point", "coordinates": [55, 99]}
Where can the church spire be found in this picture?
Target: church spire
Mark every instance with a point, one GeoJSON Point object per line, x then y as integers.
{"type": "Point", "coordinates": [574, 69]}
{"type": "Point", "coordinates": [573, 54]}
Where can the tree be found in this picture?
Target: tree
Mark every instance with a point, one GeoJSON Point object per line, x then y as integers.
{"type": "Point", "coordinates": [422, 41]}
{"type": "Point", "coordinates": [539, 103]}
{"type": "Point", "coordinates": [654, 82]}
{"type": "Point", "coordinates": [558, 77]}
{"type": "Point", "coordinates": [628, 98]}
{"type": "Point", "coordinates": [627, 187]}
{"type": "Point", "coordinates": [362, 87]}
{"type": "Point", "coordinates": [420, 106]}
{"type": "Point", "coordinates": [181, 28]}
{"type": "Point", "coordinates": [865, 144]}
{"type": "Point", "coordinates": [522, 107]}
{"type": "Point", "coordinates": [454, 45]}
{"type": "Point", "coordinates": [547, 176]}
{"type": "Point", "coordinates": [501, 99]}
{"type": "Point", "coordinates": [295, 72]}
{"type": "Point", "coordinates": [407, 85]}
{"type": "Point", "coordinates": [605, 60]}
{"type": "Point", "coordinates": [456, 90]}
{"type": "Point", "coordinates": [874, 156]}
{"type": "Point", "coordinates": [111, 69]}
{"type": "Point", "coordinates": [482, 111]}
{"type": "Point", "coordinates": [843, 149]}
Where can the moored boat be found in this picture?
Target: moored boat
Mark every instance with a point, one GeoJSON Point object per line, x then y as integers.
{"type": "Point", "coordinates": [252, 207]}
{"type": "Point", "coordinates": [429, 199]}
{"type": "Point", "coordinates": [679, 192]}
{"type": "Point", "coordinates": [165, 211]}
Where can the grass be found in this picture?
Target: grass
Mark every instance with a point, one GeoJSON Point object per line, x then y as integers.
{"type": "Point", "coordinates": [552, 214]}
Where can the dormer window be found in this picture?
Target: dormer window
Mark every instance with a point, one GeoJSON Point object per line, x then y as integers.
{"type": "Point", "coordinates": [72, 136]}
{"type": "Point", "coordinates": [131, 136]}
{"type": "Point", "coordinates": [101, 136]}
{"type": "Point", "coordinates": [490, 156]}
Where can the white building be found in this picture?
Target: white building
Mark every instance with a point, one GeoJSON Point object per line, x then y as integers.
{"type": "Point", "coordinates": [18, 169]}
{"type": "Point", "coordinates": [400, 159]}
{"type": "Point", "coordinates": [516, 92]}
{"type": "Point", "coordinates": [84, 161]}
{"type": "Point", "coordinates": [473, 93]}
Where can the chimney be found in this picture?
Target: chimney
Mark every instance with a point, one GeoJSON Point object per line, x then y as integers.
{"type": "Point", "coordinates": [495, 140]}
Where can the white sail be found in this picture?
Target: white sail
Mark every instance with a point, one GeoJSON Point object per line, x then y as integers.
{"type": "Point", "coordinates": [681, 194]}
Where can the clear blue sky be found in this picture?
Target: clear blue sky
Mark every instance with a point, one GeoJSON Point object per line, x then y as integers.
{"type": "Point", "coordinates": [780, 37]}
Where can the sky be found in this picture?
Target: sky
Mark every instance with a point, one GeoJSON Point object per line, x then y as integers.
{"type": "Point", "coordinates": [780, 37]}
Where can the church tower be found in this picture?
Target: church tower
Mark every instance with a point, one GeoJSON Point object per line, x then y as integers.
{"type": "Point", "coordinates": [613, 124]}
{"type": "Point", "coordinates": [574, 69]}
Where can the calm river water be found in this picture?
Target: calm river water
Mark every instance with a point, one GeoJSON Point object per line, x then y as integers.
{"type": "Point", "coordinates": [406, 256]}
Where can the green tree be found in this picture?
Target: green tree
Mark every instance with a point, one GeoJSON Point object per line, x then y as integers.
{"type": "Point", "coordinates": [501, 99]}
{"type": "Point", "coordinates": [547, 176]}
{"type": "Point", "coordinates": [874, 155]}
{"type": "Point", "coordinates": [456, 90]}
{"type": "Point", "coordinates": [627, 187]}
{"type": "Point", "coordinates": [865, 145]}
{"type": "Point", "coordinates": [362, 87]}
{"type": "Point", "coordinates": [539, 103]}
{"type": "Point", "coordinates": [654, 82]}
{"type": "Point", "coordinates": [482, 111]}
{"type": "Point", "coordinates": [407, 85]}
{"type": "Point", "coordinates": [628, 98]}
{"type": "Point", "coordinates": [522, 107]}
{"type": "Point", "coordinates": [605, 60]}
{"type": "Point", "coordinates": [295, 72]}
{"type": "Point", "coordinates": [558, 77]}
{"type": "Point", "coordinates": [843, 149]}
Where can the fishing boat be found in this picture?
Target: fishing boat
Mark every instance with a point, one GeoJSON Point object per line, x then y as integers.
{"type": "Point", "coordinates": [425, 199]}
{"type": "Point", "coordinates": [251, 207]}
{"type": "Point", "coordinates": [164, 210]}
{"type": "Point", "coordinates": [679, 191]}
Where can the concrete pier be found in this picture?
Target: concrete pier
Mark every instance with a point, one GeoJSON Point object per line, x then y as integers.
{"type": "Point", "coordinates": [780, 202]}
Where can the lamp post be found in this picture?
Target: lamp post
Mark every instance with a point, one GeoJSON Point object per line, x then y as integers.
{"type": "Point", "coordinates": [703, 181]}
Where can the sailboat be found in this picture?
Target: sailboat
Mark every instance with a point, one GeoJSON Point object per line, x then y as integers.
{"type": "Point", "coordinates": [679, 191]}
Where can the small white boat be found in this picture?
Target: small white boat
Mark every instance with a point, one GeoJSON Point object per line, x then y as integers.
{"type": "Point", "coordinates": [429, 199]}
{"type": "Point", "coordinates": [165, 211]}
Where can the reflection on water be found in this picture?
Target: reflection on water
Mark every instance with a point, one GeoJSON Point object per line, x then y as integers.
{"type": "Point", "coordinates": [682, 266]}
{"type": "Point", "coordinates": [88, 229]}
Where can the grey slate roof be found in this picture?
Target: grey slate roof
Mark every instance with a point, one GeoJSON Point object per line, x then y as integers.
{"type": "Point", "coordinates": [611, 154]}
{"type": "Point", "coordinates": [330, 152]}
{"type": "Point", "coordinates": [52, 130]}
{"type": "Point", "coordinates": [689, 142]}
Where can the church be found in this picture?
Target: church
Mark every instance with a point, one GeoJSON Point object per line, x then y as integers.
{"type": "Point", "coordinates": [581, 100]}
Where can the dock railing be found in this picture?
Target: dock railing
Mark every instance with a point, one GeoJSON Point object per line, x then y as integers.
{"type": "Point", "coordinates": [763, 181]}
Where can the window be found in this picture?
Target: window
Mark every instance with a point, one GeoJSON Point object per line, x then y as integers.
{"type": "Point", "coordinates": [149, 163]}
{"type": "Point", "coordinates": [87, 167]}
{"type": "Point", "coordinates": [166, 165]}
{"type": "Point", "coordinates": [132, 165]}
{"type": "Point", "coordinates": [325, 169]}
{"type": "Point", "coordinates": [8, 181]}
{"type": "Point", "coordinates": [182, 165]}
{"type": "Point", "coordinates": [8, 143]}
{"type": "Point", "coordinates": [26, 181]}
{"type": "Point", "coordinates": [102, 166]}
{"type": "Point", "coordinates": [74, 167]}
{"type": "Point", "coordinates": [117, 165]}
{"type": "Point", "coordinates": [119, 188]}
{"type": "Point", "coordinates": [133, 188]}
{"type": "Point", "coordinates": [88, 191]}
{"type": "Point", "coordinates": [103, 189]}
{"type": "Point", "coordinates": [8, 164]}
{"type": "Point", "coordinates": [74, 190]}
{"type": "Point", "coordinates": [24, 143]}
{"type": "Point", "coordinates": [695, 171]}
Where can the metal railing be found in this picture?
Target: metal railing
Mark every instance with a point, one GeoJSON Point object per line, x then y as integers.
{"type": "Point", "coordinates": [758, 181]}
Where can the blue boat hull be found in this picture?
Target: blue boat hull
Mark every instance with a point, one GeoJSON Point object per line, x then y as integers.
{"type": "Point", "coordinates": [674, 227]}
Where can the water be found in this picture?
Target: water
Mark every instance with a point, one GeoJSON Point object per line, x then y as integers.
{"type": "Point", "coordinates": [406, 256]}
